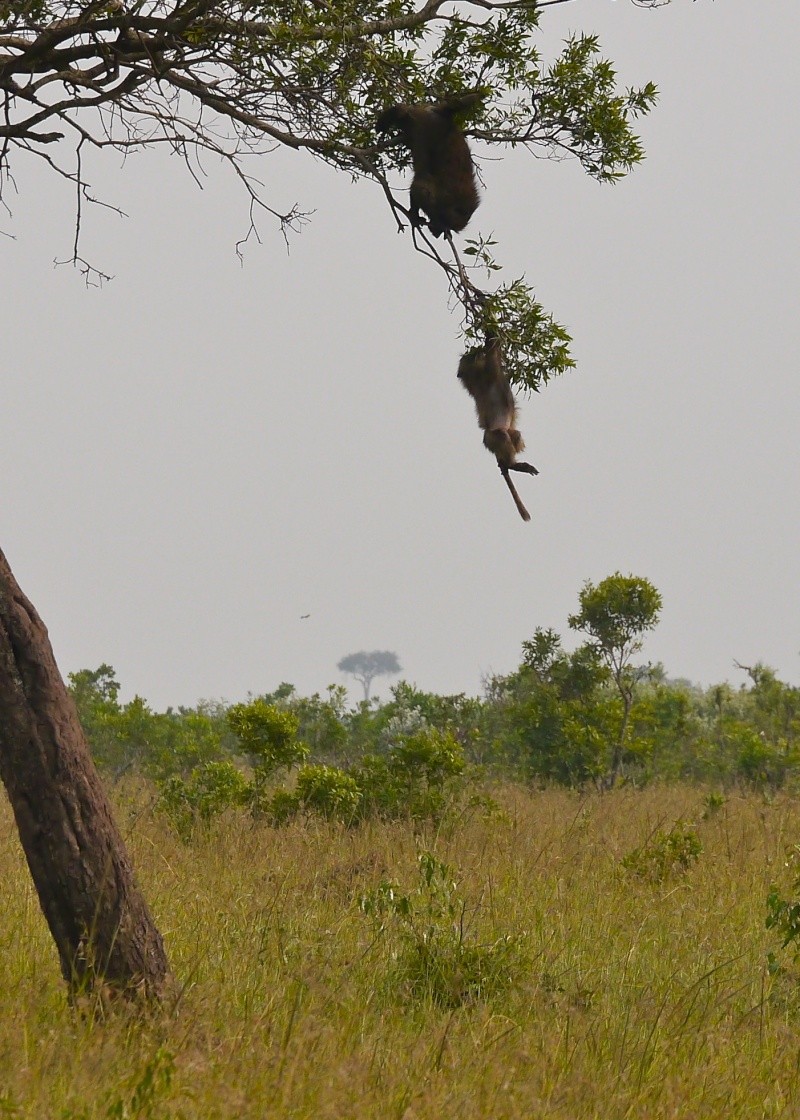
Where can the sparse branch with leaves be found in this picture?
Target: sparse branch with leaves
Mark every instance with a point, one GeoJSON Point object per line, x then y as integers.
{"type": "Point", "coordinates": [239, 78]}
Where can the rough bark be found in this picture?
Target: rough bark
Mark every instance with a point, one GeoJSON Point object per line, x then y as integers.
{"type": "Point", "coordinates": [96, 913]}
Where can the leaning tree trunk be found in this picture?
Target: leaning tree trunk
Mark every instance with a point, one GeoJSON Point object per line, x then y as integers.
{"type": "Point", "coordinates": [96, 913]}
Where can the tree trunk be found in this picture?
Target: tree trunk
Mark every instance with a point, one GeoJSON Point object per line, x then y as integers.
{"type": "Point", "coordinates": [96, 913]}
{"type": "Point", "coordinates": [616, 761]}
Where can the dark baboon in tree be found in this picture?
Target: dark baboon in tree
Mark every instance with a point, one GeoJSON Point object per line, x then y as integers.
{"type": "Point", "coordinates": [482, 375]}
{"type": "Point", "coordinates": [444, 184]}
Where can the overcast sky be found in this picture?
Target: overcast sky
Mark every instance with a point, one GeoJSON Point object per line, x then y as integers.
{"type": "Point", "coordinates": [199, 453]}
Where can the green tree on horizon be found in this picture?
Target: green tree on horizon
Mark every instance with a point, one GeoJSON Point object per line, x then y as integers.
{"type": "Point", "coordinates": [615, 614]}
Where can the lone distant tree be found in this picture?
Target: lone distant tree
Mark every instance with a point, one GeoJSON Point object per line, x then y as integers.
{"type": "Point", "coordinates": [365, 666]}
{"type": "Point", "coordinates": [615, 614]}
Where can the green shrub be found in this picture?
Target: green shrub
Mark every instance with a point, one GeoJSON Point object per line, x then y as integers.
{"type": "Point", "coordinates": [380, 793]}
{"type": "Point", "coordinates": [665, 854]}
{"type": "Point", "coordinates": [761, 763]}
{"type": "Point", "coordinates": [329, 792]}
{"type": "Point", "coordinates": [436, 954]}
{"type": "Point", "coordinates": [268, 734]}
{"type": "Point", "coordinates": [209, 790]}
{"type": "Point", "coordinates": [417, 777]}
{"type": "Point", "coordinates": [428, 757]}
{"type": "Point", "coordinates": [276, 806]}
{"type": "Point", "coordinates": [783, 914]}
{"type": "Point", "coordinates": [712, 803]}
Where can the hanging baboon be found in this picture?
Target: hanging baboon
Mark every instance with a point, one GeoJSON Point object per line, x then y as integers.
{"type": "Point", "coordinates": [444, 184]}
{"type": "Point", "coordinates": [482, 375]}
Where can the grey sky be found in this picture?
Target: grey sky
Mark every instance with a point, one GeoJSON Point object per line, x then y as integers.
{"type": "Point", "coordinates": [199, 453]}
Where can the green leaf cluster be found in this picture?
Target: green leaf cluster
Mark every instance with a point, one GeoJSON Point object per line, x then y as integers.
{"type": "Point", "coordinates": [616, 613]}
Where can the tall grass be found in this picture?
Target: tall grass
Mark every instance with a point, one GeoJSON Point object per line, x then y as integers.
{"type": "Point", "coordinates": [631, 995]}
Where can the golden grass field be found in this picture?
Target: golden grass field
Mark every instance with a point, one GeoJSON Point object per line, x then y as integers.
{"type": "Point", "coordinates": [629, 996]}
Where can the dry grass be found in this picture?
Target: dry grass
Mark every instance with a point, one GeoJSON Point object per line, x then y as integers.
{"type": "Point", "coordinates": [632, 998]}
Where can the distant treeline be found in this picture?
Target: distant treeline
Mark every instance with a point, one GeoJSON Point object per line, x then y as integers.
{"type": "Point", "coordinates": [556, 719]}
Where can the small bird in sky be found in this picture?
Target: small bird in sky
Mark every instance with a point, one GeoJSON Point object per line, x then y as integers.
{"type": "Point", "coordinates": [302, 616]}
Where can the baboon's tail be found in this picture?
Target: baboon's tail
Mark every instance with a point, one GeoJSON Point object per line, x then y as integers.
{"type": "Point", "coordinates": [517, 500]}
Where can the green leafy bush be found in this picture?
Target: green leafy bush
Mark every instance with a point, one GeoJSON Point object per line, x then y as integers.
{"type": "Point", "coordinates": [565, 717]}
{"type": "Point", "coordinates": [759, 762]}
{"type": "Point", "coordinates": [133, 738]}
{"type": "Point", "coordinates": [416, 778]}
{"type": "Point", "coordinates": [437, 956]}
{"type": "Point", "coordinates": [712, 803]}
{"type": "Point", "coordinates": [279, 807]}
{"type": "Point", "coordinates": [268, 734]}
{"type": "Point", "coordinates": [783, 914]}
{"type": "Point", "coordinates": [329, 792]}
{"type": "Point", "coordinates": [208, 791]}
{"type": "Point", "coordinates": [665, 854]}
